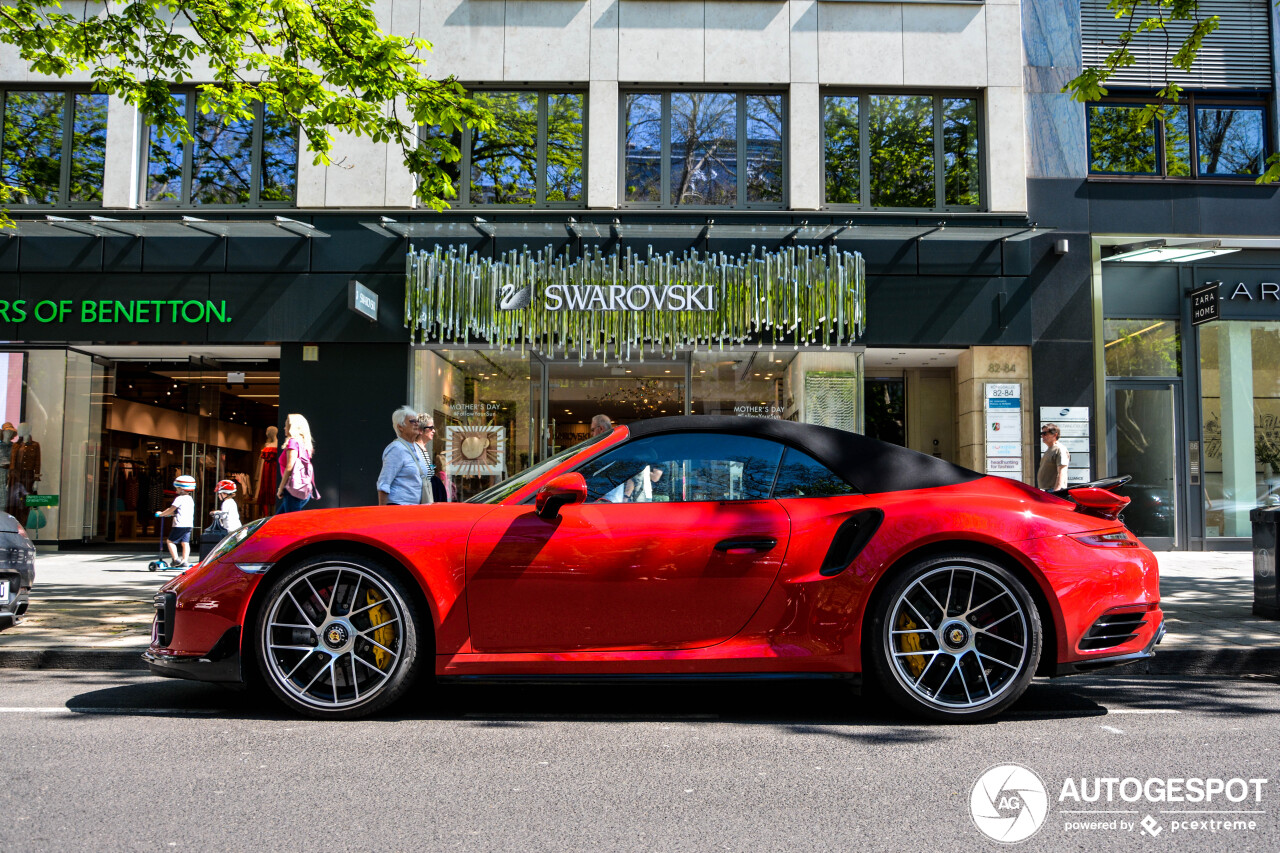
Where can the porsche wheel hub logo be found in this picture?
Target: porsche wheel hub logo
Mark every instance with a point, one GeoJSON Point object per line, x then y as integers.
{"type": "Point", "coordinates": [336, 635]}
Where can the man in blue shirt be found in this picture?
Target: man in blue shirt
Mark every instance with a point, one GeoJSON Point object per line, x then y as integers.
{"type": "Point", "coordinates": [405, 478]}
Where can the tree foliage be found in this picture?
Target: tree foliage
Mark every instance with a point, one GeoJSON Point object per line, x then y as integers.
{"type": "Point", "coordinates": [1146, 19]}
{"type": "Point", "coordinates": [323, 66]}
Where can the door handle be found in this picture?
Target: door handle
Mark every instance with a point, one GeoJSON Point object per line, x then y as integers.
{"type": "Point", "coordinates": [745, 545]}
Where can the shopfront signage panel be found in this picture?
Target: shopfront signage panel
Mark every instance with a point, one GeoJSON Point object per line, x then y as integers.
{"type": "Point", "coordinates": [1004, 427]}
{"type": "Point", "coordinates": [1002, 465]}
{"type": "Point", "coordinates": [362, 300]}
{"type": "Point", "coordinates": [137, 311]}
{"type": "Point", "coordinates": [41, 500]}
{"type": "Point", "coordinates": [1004, 395]}
{"type": "Point", "coordinates": [1204, 304]}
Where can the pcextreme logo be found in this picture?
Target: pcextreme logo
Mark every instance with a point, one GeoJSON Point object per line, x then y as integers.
{"type": "Point", "coordinates": [1009, 803]}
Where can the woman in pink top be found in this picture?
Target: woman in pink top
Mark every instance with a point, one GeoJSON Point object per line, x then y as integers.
{"type": "Point", "coordinates": [296, 453]}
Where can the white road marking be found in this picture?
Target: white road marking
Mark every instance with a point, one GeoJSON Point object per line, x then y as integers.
{"type": "Point", "coordinates": [1112, 729]}
{"type": "Point", "coordinates": [143, 712]}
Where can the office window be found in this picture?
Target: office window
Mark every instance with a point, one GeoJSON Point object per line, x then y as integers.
{"type": "Point", "coordinates": [1202, 138]}
{"type": "Point", "coordinates": [901, 151]}
{"type": "Point", "coordinates": [703, 149]}
{"type": "Point", "coordinates": [235, 162]}
{"type": "Point", "coordinates": [533, 155]}
{"type": "Point", "coordinates": [54, 146]}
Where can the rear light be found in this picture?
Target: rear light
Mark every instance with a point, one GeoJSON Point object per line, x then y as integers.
{"type": "Point", "coordinates": [1110, 539]}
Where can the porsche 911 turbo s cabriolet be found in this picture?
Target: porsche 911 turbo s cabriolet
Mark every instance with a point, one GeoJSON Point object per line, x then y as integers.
{"type": "Point", "coordinates": [682, 546]}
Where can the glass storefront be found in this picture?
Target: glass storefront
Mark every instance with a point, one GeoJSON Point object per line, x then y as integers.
{"type": "Point", "coordinates": [497, 412]}
{"type": "Point", "coordinates": [107, 436]}
{"type": "Point", "coordinates": [1240, 411]}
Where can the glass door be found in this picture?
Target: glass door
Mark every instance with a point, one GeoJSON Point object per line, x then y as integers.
{"type": "Point", "coordinates": [1142, 441]}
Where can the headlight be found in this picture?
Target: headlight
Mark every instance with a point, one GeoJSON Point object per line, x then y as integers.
{"type": "Point", "coordinates": [232, 541]}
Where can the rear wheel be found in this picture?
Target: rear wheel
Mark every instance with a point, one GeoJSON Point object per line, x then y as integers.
{"type": "Point", "coordinates": [337, 637]}
{"type": "Point", "coordinates": [956, 638]}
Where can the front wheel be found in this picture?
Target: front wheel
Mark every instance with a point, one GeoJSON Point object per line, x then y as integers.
{"type": "Point", "coordinates": [337, 637]}
{"type": "Point", "coordinates": [955, 638]}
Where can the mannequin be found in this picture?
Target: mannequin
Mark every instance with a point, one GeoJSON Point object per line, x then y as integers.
{"type": "Point", "coordinates": [24, 472]}
{"type": "Point", "coordinates": [7, 433]}
{"type": "Point", "coordinates": [266, 476]}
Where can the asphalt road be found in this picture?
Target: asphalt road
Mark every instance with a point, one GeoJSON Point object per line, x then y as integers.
{"type": "Point", "coordinates": [124, 761]}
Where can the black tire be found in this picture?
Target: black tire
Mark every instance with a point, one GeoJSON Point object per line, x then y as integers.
{"type": "Point", "coordinates": [967, 663]}
{"type": "Point", "coordinates": [336, 637]}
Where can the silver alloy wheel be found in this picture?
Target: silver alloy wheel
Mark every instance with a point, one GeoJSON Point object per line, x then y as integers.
{"type": "Point", "coordinates": [958, 637]}
{"type": "Point", "coordinates": [334, 636]}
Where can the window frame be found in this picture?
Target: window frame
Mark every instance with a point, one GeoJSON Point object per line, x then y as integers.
{"type": "Point", "coordinates": [864, 95]}
{"type": "Point", "coordinates": [463, 187]}
{"type": "Point", "coordinates": [1191, 101]}
{"type": "Point", "coordinates": [68, 144]}
{"type": "Point", "coordinates": [188, 157]}
{"type": "Point", "coordinates": [664, 181]}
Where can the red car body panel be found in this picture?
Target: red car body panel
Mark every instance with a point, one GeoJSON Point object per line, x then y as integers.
{"type": "Point", "coordinates": [509, 593]}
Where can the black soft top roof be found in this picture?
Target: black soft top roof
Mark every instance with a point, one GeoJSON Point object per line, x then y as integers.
{"type": "Point", "coordinates": [868, 464]}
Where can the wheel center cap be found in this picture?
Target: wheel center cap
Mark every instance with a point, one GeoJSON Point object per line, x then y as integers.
{"type": "Point", "coordinates": [955, 635]}
{"type": "Point", "coordinates": [336, 635]}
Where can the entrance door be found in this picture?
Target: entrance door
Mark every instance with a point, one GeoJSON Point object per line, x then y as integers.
{"type": "Point", "coordinates": [623, 392]}
{"type": "Point", "coordinates": [1142, 441]}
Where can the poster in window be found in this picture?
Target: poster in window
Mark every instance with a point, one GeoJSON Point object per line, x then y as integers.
{"type": "Point", "coordinates": [475, 450]}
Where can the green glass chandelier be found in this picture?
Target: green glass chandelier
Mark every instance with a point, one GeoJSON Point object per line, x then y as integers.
{"type": "Point", "coordinates": [624, 304]}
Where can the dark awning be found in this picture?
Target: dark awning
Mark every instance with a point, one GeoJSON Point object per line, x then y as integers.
{"type": "Point", "coordinates": [103, 226]}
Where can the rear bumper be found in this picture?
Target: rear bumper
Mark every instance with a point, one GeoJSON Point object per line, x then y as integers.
{"type": "Point", "coordinates": [1092, 664]}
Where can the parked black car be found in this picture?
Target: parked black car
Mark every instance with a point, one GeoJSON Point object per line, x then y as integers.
{"type": "Point", "coordinates": [17, 570]}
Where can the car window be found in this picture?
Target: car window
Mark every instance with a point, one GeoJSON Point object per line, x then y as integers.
{"type": "Point", "coordinates": [682, 467]}
{"type": "Point", "coordinates": [802, 476]}
{"type": "Point", "coordinates": [501, 491]}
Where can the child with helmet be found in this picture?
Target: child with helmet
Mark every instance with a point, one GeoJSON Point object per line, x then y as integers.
{"type": "Point", "coordinates": [228, 512]}
{"type": "Point", "coordinates": [183, 511]}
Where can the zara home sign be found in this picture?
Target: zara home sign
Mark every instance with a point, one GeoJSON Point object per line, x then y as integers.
{"type": "Point", "coordinates": [1262, 291]}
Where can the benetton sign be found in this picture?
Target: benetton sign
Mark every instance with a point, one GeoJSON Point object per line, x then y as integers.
{"type": "Point", "coordinates": [147, 311]}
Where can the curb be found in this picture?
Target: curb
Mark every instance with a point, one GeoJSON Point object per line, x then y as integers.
{"type": "Point", "coordinates": [82, 659]}
{"type": "Point", "coordinates": [1231, 662]}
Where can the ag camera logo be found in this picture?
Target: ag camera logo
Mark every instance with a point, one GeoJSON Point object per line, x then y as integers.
{"type": "Point", "coordinates": [1009, 803]}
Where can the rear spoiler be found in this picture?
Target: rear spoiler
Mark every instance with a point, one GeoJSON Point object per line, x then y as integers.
{"type": "Point", "coordinates": [1097, 499]}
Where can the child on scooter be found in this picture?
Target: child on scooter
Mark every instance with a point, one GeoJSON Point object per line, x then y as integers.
{"type": "Point", "coordinates": [183, 511]}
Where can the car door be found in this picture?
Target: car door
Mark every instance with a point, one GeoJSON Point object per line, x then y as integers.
{"type": "Point", "coordinates": [676, 548]}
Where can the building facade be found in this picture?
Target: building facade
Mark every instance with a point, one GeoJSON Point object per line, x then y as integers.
{"type": "Point", "coordinates": [166, 304]}
{"type": "Point", "coordinates": [1188, 410]}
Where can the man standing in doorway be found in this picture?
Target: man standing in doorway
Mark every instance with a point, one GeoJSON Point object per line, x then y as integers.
{"type": "Point", "coordinates": [1052, 476]}
{"type": "Point", "coordinates": [600, 425]}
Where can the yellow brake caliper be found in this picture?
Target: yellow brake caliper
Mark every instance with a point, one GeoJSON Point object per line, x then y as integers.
{"type": "Point", "coordinates": [383, 636]}
{"type": "Point", "coordinates": [910, 643]}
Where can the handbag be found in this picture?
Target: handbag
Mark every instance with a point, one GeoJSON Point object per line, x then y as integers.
{"type": "Point", "coordinates": [302, 478]}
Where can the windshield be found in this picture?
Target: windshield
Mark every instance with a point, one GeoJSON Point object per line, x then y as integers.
{"type": "Point", "coordinates": [507, 488]}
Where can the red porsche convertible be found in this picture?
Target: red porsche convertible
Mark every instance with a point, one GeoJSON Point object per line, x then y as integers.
{"type": "Point", "coordinates": [688, 547]}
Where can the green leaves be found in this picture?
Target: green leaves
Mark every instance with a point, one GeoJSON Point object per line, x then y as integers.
{"type": "Point", "coordinates": [323, 65]}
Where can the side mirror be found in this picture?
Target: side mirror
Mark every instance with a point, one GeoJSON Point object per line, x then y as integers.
{"type": "Point", "coordinates": [565, 490]}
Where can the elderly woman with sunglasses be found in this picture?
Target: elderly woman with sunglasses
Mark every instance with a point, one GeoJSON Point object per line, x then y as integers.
{"type": "Point", "coordinates": [405, 478]}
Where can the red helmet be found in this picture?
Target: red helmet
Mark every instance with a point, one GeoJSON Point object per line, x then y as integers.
{"type": "Point", "coordinates": [225, 486]}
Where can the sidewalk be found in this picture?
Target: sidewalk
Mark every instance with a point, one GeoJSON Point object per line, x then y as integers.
{"type": "Point", "coordinates": [93, 611]}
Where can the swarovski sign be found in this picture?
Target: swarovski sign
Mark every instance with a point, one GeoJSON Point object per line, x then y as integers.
{"type": "Point", "coordinates": [623, 301]}
{"type": "Point", "coordinates": [637, 297]}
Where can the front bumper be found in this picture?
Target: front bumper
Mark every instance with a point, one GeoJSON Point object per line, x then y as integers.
{"type": "Point", "coordinates": [221, 663]}
{"type": "Point", "coordinates": [1092, 664]}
